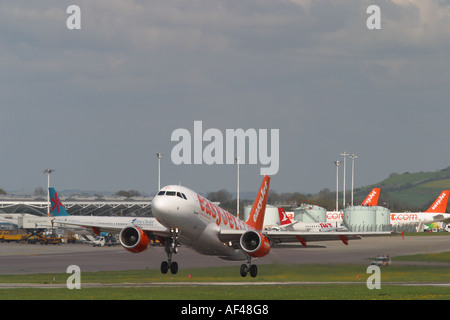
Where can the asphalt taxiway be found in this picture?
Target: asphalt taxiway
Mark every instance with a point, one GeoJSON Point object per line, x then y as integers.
{"type": "Point", "coordinates": [32, 259]}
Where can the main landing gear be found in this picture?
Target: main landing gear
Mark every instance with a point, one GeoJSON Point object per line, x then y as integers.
{"type": "Point", "coordinates": [172, 245]}
{"type": "Point", "coordinates": [249, 267]}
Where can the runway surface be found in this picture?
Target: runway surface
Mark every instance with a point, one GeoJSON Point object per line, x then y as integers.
{"type": "Point", "coordinates": [30, 259]}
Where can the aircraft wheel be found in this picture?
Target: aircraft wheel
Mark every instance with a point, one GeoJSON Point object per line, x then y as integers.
{"type": "Point", "coordinates": [253, 270]}
{"type": "Point", "coordinates": [174, 267]}
{"type": "Point", "coordinates": [244, 270]}
{"type": "Point", "coordinates": [164, 267]}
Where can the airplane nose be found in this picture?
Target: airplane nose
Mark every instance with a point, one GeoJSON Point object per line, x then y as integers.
{"type": "Point", "coordinates": [159, 206]}
{"type": "Point", "coordinates": [165, 210]}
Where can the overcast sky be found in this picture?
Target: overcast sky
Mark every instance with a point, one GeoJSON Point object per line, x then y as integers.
{"type": "Point", "coordinates": [96, 104]}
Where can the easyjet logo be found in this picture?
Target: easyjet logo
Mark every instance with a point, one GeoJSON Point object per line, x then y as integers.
{"type": "Point", "coordinates": [220, 215]}
{"type": "Point", "coordinates": [369, 198]}
{"type": "Point", "coordinates": [335, 215]}
{"type": "Point", "coordinates": [260, 201]}
{"type": "Point", "coordinates": [439, 200]}
{"type": "Point", "coordinates": [404, 217]}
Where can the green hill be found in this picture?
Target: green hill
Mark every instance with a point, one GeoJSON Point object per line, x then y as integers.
{"type": "Point", "coordinates": [410, 191]}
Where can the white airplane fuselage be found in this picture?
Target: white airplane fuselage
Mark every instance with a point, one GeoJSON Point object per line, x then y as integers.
{"type": "Point", "coordinates": [198, 220]}
{"type": "Point", "coordinates": [402, 218]}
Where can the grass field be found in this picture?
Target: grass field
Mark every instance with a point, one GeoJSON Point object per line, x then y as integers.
{"type": "Point", "coordinates": [248, 292]}
{"type": "Point", "coordinates": [356, 289]}
{"type": "Point", "coordinates": [418, 190]}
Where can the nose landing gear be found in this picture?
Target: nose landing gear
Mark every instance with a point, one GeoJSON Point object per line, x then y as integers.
{"type": "Point", "coordinates": [171, 247]}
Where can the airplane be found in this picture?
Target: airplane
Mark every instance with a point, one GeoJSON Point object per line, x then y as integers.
{"type": "Point", "coordinates": [98, 224]}
{"type": "Point", "coordinates": [435, 213]}
{"type": "Point", "coordinates": [287, 224]}
{"type": "Point", "coordinates": [186, 218]}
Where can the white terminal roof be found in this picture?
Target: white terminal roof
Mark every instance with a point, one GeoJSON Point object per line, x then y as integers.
{"type": "Point", "coordinates": [79, 205]}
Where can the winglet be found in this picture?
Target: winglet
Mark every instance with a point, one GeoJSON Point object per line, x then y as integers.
{"type": "Point", "coordinates": [57, 208]}
{"type": "Point", "coordinates": [372, 198]}
{"type": "Point", "coordinates": [256, 217]}
{"type": "Point", "coordinates": [440, 204]}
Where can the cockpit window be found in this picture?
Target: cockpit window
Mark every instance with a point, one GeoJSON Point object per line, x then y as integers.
{"type": "Point", "coordinates": [172, 193]}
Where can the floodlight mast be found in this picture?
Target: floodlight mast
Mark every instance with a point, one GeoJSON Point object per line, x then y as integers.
{"type": "Point", "coordinates": [159, 156]}
{"type": "Point", "coordinates": [344, 154]}
{"type": "Point", "coordinates": [353, 157]}
{"type": "Point", "coordinates": [48, 172]}
{"type": "Point", "coordinates": [337, 162]}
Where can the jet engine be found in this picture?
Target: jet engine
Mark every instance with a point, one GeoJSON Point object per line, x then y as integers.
{"type": "Point", "coordinates": [134, 239]}
{"type": "Point", "coordinates": [255, 244]}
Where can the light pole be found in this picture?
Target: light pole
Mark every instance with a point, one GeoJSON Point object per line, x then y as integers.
{"type": "Point", "coordinates": [337, 184]}
{"type": "Point", "coordinates": [238, 161]}
{"type": "Point", "coordinates": [353, 157]}
{"type": "Point", "coordinates": [159, 155]}
{"type": "Point", "coordinates": [48, 172]}
{"type": "Point", "coordinates": [345, 154]}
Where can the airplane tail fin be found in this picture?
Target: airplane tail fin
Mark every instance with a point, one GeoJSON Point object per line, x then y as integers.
{"type": "Point", "coordinates": [440, 204]}
{"type": "Point", "coordinates": [256, 217]}
{"type": "Point", "coordinates": [57, 208]}
{"type": "Point", "coordinates": [284, 219]}
{"type": "Point", "coordinates": [372, 198]}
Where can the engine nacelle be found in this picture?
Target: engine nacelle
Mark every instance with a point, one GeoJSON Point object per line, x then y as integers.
{"type": "Point", "coordinates": [255, 244]}
{"type": "Point", "coordinates": [134, 239]}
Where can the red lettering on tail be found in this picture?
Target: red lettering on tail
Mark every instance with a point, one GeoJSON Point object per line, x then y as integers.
{"type": "Point", "coordinates": [372, 198]}
{"type": "Point", "coordinates": [440, 204]}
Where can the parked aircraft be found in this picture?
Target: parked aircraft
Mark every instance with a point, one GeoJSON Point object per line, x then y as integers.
{"type": "Point", "coordinates": [98, 224]}
{"type": "Point", "coordinates": [435, 213]}
{"type": "Point", "coordinates": [287, 224]}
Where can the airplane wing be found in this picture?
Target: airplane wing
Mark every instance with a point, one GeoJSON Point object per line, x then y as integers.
{"type": "Point", "coordinates": [152, 229]}
{"type": "Point", "coordinates": [279, 237]}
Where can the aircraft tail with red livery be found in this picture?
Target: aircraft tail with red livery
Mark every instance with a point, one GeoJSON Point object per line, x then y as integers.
{"type": "Point", "coordinates": [372, 198]}
{"type": "Point", "coordinates": [440, 204]}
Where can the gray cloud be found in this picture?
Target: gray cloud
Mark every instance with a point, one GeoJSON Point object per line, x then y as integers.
{"type": "Point", "coordinates": [98, 103]}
